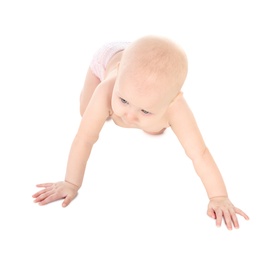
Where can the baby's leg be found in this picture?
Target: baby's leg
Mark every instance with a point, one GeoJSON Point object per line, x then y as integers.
{"type": "Point", "coordinates": [90, 84]}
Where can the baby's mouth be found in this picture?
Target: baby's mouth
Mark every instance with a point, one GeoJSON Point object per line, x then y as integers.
{"type": "Point", "coordinates": [127, 122]}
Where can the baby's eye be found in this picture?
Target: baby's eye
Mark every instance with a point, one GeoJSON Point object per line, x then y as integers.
{"type": "Point", "coordinates": [145, 112]}
{"type": "Point", "coordinates": [123, 100]}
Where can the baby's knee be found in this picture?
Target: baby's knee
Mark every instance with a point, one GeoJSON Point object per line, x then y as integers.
{"type": "Point", "coordinates": [81, 109]}
{"type": "Point", "coordinates": [82, 105]}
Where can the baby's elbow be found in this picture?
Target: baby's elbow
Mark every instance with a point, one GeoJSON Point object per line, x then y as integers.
{"type": "Point", "coordinates": [86, 141]}
{"type": "Point", "coordinates": [82, 110]}
{"type": "Point", "coordinates": [197, 154]}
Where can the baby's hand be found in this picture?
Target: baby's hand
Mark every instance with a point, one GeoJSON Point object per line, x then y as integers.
{"type": "Point", "coordinates": [55, 191]}
{"type": "Point", "coordinates": [221, 208]}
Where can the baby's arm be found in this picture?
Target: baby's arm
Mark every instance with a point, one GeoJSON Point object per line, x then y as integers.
{"type": "Point", "coordinates": [96, 113]}
{"type": "Point", "coordinates": [185, 127]}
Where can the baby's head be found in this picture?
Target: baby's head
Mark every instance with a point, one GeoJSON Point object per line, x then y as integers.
{"type": "Point", "coordinates": [154, 63]}
{"type": "Point", "coordinates": [152, 71]}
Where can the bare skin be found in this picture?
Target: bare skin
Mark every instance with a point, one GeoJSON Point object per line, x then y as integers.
{"type": "Point", "coordinates": [135, 104]}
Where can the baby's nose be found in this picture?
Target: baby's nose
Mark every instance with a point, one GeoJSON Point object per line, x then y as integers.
{"type": "Point", "coordinates": [131, 116]}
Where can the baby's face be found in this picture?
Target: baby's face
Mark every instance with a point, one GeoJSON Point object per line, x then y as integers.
{"type": "Point", "coordinates": [138, 106]}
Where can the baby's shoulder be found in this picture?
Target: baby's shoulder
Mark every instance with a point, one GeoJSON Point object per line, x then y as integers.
{"type": "Point", "coordinates": [105, 89]}
{"type": "Point", "coordinates": [179, 100]}
{"type": "Point", "coordinates": [178, 107]}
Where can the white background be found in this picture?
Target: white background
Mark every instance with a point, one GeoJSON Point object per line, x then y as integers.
{"type": "Point", "coordinates": [141, 198]}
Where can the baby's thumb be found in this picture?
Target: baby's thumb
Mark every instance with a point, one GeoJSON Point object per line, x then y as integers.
{"type": "Point", "coordinates": [211, 213]}
{"type": "Point", "coordinates": [66, 201]}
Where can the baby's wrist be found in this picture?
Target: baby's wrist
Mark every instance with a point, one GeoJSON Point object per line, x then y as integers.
{"type": "Point", "coordinates": [219, 197]}
{"type": "Point", "coordinates": [76, 186]}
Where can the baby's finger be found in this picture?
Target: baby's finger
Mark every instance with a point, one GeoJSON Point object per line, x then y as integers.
{"type": "Point", "coordinates": [234, 218]}
{"type": "Point", "coordinates": [240, 212]}
{"type": "Point", "coordinates": [218, 217]}
{"type": "Point", "coordinates": [53, 197]}
{"type": "Point", "coordinates": [44, 195]}
{"type": "Point", "coordinates": [227, 220]}
{"type": "Point", "coordinates": [44, 185]}
{"type": "Point", "coordinates": [37, 194]}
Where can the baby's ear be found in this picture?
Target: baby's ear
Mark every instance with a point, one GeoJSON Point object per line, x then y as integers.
{"type": "Point", "coordinates": [117, 66]}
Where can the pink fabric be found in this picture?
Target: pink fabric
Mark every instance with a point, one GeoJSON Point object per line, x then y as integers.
{"type": "Point", "coordinates": [103, 56]}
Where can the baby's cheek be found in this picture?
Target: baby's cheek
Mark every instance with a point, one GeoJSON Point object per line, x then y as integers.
{"type": "Point", "coordinates": [117, 109]}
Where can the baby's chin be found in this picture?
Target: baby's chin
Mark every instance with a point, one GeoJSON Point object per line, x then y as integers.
{"type": "Point", "coordinates": [156, 133]}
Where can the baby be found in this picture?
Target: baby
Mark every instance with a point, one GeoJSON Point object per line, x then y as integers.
{"type": "Point", "coordinates": [139, 85]}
